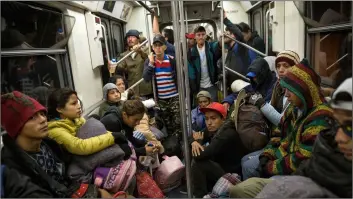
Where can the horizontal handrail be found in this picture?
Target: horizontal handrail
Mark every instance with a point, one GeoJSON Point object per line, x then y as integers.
{"type": "Point", "coordinates": [146, 7]}
{"type": "Point", "coordinates": [246, 45]}
{"type": "Point", "coordinates": [126, 56]}
{"type": "Point", "coordinates": [236, 73]}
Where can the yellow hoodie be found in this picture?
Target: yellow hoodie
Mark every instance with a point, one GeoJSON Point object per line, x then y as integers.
{"type": "Point", "coordinates": [64, 133]}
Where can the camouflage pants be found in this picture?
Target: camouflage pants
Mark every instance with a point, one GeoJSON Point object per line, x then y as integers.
{"type": "Point", "coordinates": [170, 113]}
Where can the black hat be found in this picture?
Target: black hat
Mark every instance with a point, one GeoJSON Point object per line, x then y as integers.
{"type": "Point", "coordinates": [159, 38]}
{"type": "Point", "coordinates": [134, 33]}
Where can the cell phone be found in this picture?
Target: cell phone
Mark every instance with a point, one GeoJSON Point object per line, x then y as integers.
{"type": "Point", "coordinates": [150, 144]}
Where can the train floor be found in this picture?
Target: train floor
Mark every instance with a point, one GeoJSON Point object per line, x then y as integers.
{"type": "Point", "coordinates": [175, 193]}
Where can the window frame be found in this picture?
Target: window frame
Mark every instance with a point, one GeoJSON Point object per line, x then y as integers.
{"type": "Point", "coordinates": [310, 42]}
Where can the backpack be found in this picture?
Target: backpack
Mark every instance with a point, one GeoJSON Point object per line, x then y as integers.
{"type": "Point", "coordinates": [169, 173]}
{"type": "Point", "coordinates": [250, 123]}
{"type": "Point", "coordinates": [117, 178]}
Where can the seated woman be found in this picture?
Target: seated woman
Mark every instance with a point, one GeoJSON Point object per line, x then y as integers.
{"type": "Point", "coordinates": [221, 156]}
{"type": "Point", "coordinates": [197, 117]}
{"type": "Point", "coordinates": [111, 95]}
{"type": "Point", "coordinates": [124, 119]}
{"type": "Point", "coordinates": [120, 83]}
{"type": "Point", "coordinates": [64, 111]}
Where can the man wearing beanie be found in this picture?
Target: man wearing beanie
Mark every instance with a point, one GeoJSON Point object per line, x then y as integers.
{"type": "Point", "coordinates": [132, 66]}
{"type": "Point", "coordinates": [302, 121]}
{"type": "Point", "coordinates": [111, 95]}
{"type": "Point", "coordinates": [328, 173]}
{"type": "Point", "coordinates": [273, 110]}
{"type": "Point", "coordinates": [28, 151]}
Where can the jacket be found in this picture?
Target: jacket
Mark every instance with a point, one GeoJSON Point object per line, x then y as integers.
{"type": "Point", "coordinates": [238, 57]}
{"type": "Point", "coordinates": [298, 128]}
{"type": "Point", "coordinates": [225, 148]}
{"type": "Point", "coordinates": [170, 49]}
{"type": "Point", "coordinates": [213, 53]}
{"type": "Point", "coordinates": [266, 78]}
{"type": "Point", "coordinates": [198, 122]}
{"type": "Point", "coordinates": [113, 121]}
{"type": "Point", "coordinates": [103, 107]}
{"type": "Point", "coordinates": [34, 181]}
{"type": "Point", "coordinates": [64, 131]}
{"type": "Point", "coordinates": [144, 128]}
{"type": "Point", "coordinates": [134, 69]}
{"type": "Point", "coordinates": [149, 72]}
{"type": "Point", "coordinates": [328, 167]}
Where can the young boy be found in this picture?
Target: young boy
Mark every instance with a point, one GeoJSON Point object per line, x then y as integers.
{"type": "Point", "coordinates": [111, 95]}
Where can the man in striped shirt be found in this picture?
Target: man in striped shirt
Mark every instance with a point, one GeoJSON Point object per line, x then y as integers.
{"type": "Point", "coordinates": [163, 67]}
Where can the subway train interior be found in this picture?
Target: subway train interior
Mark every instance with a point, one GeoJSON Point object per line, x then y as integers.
{"type": "Point", "coordinates": [58, 44]}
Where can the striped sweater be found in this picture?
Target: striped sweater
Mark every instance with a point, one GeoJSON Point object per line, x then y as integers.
{"type": "Point", "coordinates": [166, 87]}
{"type": "Point", "coordinates": [298, 131]}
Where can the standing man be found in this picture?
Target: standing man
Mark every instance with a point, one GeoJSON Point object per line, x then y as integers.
{"type": "Point", "coordinates": [202, 64]}
{"type": "Point", "coordinates": [133, 65]}
{"type": "Point", "coordinates": [163, 67]}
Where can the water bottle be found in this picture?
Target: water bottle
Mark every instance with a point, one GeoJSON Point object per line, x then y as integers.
{"type": "Point", "coordinates": [59, 35]}
{"type": "Point", "coordinates": [112, 65]}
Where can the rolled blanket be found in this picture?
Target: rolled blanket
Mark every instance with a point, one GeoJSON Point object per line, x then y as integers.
{"type": "Point", "coordinates": [81, 166]}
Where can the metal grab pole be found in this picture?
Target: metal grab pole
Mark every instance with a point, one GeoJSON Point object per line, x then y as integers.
{"type": "Point", "coordinates": [149, 51]}
{"type": "Point", "coordinates": [126, 56]}
{"type": "Point", "coordinates": [246, 46]}
{"type": "Point", "coordinates": [223, 55]}
{"type": "Point", "coordinates": [236, 73]}
{"type": "Point", "coordinates": [181, 89]}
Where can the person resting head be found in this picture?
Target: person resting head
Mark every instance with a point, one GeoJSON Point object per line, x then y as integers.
{"type": "Point", "coordinates": [64, 111]}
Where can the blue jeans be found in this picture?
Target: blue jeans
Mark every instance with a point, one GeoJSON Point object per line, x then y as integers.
{"type": "Point", "coordinates": [250, 165]}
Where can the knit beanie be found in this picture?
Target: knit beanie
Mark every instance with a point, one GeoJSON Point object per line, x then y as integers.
{"type": "Point", "coordinates": [291, 57]}
{"type": "Point", "coordinates": [16, 109]}
{"type": "Point", "coordinates": [344, 88]}
{"type": "Point", "coordinates": [107, 88]}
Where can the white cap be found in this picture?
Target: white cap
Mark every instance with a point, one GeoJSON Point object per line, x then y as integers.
{"type": "Point", "coordinates": [345, 87]}
{"type": "Point", "coordinates": [239, 84]}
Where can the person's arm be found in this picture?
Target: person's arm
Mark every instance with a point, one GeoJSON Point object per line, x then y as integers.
{"type": "Point", "coordinates": [79, 146]}
{"type": "Point", "coordinates": [216, 147]}
{"type": "Point", "coordinates": [16, 185]}
{"type": "Point", "coordinates": [230, 99]}
{"type": "Point", "coordinates": [155, 25]}
{"type": "Point", "coordinates": [192, 77]}
{"type": "Point", "coordinates": [148, 70]}
{"type": "Point", "coordinates": [271, 114]}
{"type": "Point", "coordinates": [233, 28]}
{"type": "Point", "coordinates": [289, 162]}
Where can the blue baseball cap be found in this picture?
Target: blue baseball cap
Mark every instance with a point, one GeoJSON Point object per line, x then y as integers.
{"type": "Point", "coordinates": [251, 74]}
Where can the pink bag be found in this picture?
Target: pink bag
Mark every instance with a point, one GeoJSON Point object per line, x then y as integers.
{"type": "Point", "coordinates": [116, 178]}
{"type": "Point", "coordinates": [169, 174]}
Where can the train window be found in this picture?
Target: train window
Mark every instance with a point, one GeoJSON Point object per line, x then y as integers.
{"type": "Point", "coordinates": [118, 43]}
{"type": "Point", "coordinates": [33, 48]}
{"type": "Point", "coordinates": [256, 19]}
{"type": "Point", "coordinates": [33, 26]}
{"type": "Point", "coordinates": [332, 53]}
{"type": "Point", "coordinates": [331, 12]}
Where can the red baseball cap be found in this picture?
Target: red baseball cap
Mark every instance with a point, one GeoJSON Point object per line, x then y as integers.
{"type": "Point", "coordinates": [190, 35]}
{"type": "Point", "coordinates": [215, 106]}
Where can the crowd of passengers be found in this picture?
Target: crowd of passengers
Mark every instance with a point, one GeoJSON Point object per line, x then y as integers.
{"type": "Point", "coordinates": [50, 150]}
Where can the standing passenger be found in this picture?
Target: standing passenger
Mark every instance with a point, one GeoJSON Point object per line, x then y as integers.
{"type": "Point", "coordinates": [164, 69]}
{"type": "Point", "coordinates": [133, 65]}
{"type": "Point", "coordinates": [202, 64]}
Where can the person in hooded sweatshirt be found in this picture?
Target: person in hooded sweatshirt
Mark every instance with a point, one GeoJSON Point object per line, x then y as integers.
{"type": "Point", "coordinates": [301, 123]}
{"type": "Point", "coordinates": [274, 109]}
{"type": "Point", "coordinates": [111, 95]}
{"type": "Point", "coordinates": [124, 119]}
{"type": "Point", "coordinates": [328, 173]}
{"type": "Point", "coordinates": [262, 79]}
